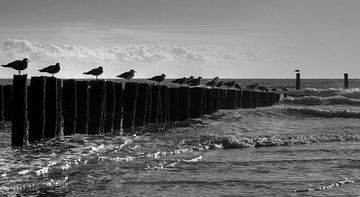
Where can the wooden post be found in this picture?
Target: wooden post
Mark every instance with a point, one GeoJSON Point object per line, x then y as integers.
{"type": "Point", "coordinates": [110, 107]}
{"type": "Point", "coordinates": [208, 100]}
{"type": "Point", "coordinates": [51, 107]}
{"type": "Point", "coordinates": [129, 110]}
{"type": "Point", "coordinates": [60, 125]}
{"type": "Point", "coordinates": [184, 103]}
{"type": "Point", "coordinates": [271, 100]}
{"type": "Point", "coordinates": [1, 104]}
{"type": "Point", "coordinates": [196, 99]}
{"type": "Point", "coordinates": [149, 104]}
{"type": "Point", "coordinates": [19, 109]}
{"type": "Point", "coordinates": [97, 98]}
{"type": "Point", "coordinates": [238, 98]}
{"type": "Point", "coordinates": [215, 99]}
{"type": "Point", "coordinates": [297, 81]}
{"type": "Point", "coordinates": [246, 99]}
{"type": "Point", "coordinates": [69, 108]}
{"type": "Point", "coordinates": [82, 101]}
{"type": "Point", "coordinates": [118, 106]}
{"type": "Point", "coordinates": [174, 104]}
{"type": "Point", "coordinates": [155, 104]}
{"type": "Point", "coordinates": [7, 89]}
{"type": "Point", "coordinates": [164, 94]}
{"type": "Point", "coordinates": [230, 102]}
{"type": "Point", "coordinates": [346, 80]}
{"type": "Point", "coordinates": [141, 104]}
{"type": "Point", "coordinates": [36, 111]}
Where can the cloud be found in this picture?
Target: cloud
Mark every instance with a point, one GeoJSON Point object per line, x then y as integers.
{"type": "Point", "coordinates": [152, 53]}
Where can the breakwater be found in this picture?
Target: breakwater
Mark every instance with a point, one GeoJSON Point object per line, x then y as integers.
{"type": "Point", "coordinates": [50, 107]}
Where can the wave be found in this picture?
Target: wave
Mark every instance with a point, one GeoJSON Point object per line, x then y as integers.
{"type": "Point", "coordinates": [353, 93]}
{"type": "Point", "coordinates": [315, 100]}
{"type": "Point", "coordinates": [326, 113]}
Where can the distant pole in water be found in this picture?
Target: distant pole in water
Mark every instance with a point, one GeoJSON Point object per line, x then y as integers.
{"type": "Point", "coordinates": [297, 81]}
{"type": "Point", "coordinates": [346, 80]}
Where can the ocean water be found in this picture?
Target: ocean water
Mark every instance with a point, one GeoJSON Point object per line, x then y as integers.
{"type": "Point", "coordinates": [307, 145]}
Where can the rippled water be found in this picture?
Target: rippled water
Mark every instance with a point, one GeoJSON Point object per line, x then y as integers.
{"type": "Point", "coordinates": [307, 145]}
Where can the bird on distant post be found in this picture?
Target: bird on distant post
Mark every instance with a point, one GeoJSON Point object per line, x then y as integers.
{"type": "Point", "coordinates": [180, 80]}
{"type": "Point", "coordinates": [127, 75]}
{"type": "Point", "coordinates": [158, 78]}
{"type": "Point", "coordinates": [194, 82]}
{"type": "Point", "coordinates": [253, 86]}
{"type": "Point", "coordinates": [212, 82]}
{"type": "Point", "coordinates": [297, 71]}
{"type": "Point", "coordinates": [96, 72]}
{"type": "Point", "coordinates": [229, 84]}
{"type": "Point", "coordinates": [219, 84]}
{"type": "Point", "coordinates": [18, 65]}
{"type": "Point", "coordinates": [237, 86]}
{"type": "Point", "coordinates": [52, 69]}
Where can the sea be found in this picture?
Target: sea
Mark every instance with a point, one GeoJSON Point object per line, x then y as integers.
{"type": "Point", "coordinates": [306, 145]}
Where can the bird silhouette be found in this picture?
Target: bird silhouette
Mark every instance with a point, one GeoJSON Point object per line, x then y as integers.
{"type": "Point", "coordinates": [212, 82]}
{"type": "Point", "coordinates": [273, 89]}
{"type": "Point", "coordinates": [219, 84]}
{"type": "Point", "coordinates": [180, 80]}
{"type": "Point", "coordinates": [297, 71]}
{"type": "Point", "coordinates": [237, 86]}
{"type": "Point", "coordinates": [229, 84]}
{"type": "Point", "coordinates": [52, 69]}
{"type": "Point", "coordinates": [251, 87]}
{"type": "Point", "coordinates": [96, 72]}
{"type": "Point", "coordinates": [263, 88]}
{"type": "Point", "coordinates": [158, 78]}
{"type": "Point", "coordinates": [195, 82]}
{"type": "Point", "coordinates": [18, 65]}
{"type": "Point", "coordinates": [127, 75]}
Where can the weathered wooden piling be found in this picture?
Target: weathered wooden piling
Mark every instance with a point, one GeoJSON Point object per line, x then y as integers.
{"type": "Point", "coordinates": [7, 89]}
{"type": "Point", "coordinates": [1, 104]}
{"type": "Point", "coordinates": [255, 99]}
{"type": "Point", "coordinates": [215, 99]}
{"type": "Point", "coordinates": [60, 127]}
{"type": "Point", "coordinates": [208, 100]}
{"type": "Point", "coordinates": [184, 103]}
{"type": "Point", "coordinates": [230, 102]}
{"type": "Point", "coordinates": [118, 106]}
{"type": "Point", "coordinates": [97, 99]}
{"type": "Point", "coordinates": [19, 108]}
{"type": "Point", "coordinates": [51, 107]}
{"type": "Point", "coordinates": [346, 80]}
{"type": "Point", "coordinates": [196, 102]}
{"type": "Point", "coordinates": [82, 106]}
{"type": "Point", "coordinates": [164, 94]}
{"type": "Point", "coordinates": [238, 98]}
{"type": "Point", "coordinates": [246, 99]}
{"type": "Point", "coordinates": [129, 107]}
{"type": "Point", "coordinates": [36, 109]}
{"type": "Point", "coordinates": [69, 106]}
{"type": "Point", "coordinates": [271, 100]}
{"type": "Point", "coordinates": [297, 81]}
{"type": "Point", "coordinates": [110, 107]}
{"type": "Point", "coordinates": [173, 104]}
{"type": "Point", "coordinates": [155, 104]}
{"type": "Point", "coordinates": [141, 104]}
{"type": "Point", "coordinates": [149, 104]}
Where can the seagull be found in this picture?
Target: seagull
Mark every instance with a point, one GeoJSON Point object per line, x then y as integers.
{"type": "Point", "coordinates": [18, 65]}
{"type": "Point", "coordinates": [219, 84]}
{"type": "Point", "coordinates": [297, 71]}
{"type": "Point", "coordinates": [52, 69]}
{"type": "Point", "coordinates": [230, 84]}
{"type": "Point", "coordinates": [273, 89]}
{"type": "Point", "coordinates": [262, 88]}
{"type": "Point", "coordinates": [195, 82]}
{"type": "Point", "coordinates": [127, 75]}
{"type": "Point", "coordinates": [253, 86]}
{"type": "Point", "coordinates": [212, 82]}
{"type": "Point", "coordinates": [180, 80]}
{"type": "Point", "coordinates": [158, 78]}
{"type": "Point", "coordinates": [96, 72]}
{"type": "Point", "coordinates": [237, 86]}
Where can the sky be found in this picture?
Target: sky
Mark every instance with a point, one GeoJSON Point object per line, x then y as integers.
{"type": "Point", "coordinates": [227, 38]}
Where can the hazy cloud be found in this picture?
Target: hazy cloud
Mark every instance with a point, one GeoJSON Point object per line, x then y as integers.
{"type": "Point", "coordinates": [154, 53]}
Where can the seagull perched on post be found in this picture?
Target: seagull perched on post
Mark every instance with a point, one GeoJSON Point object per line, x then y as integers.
{"type": "Point", "coordinates": [52, 69]}
{"type": "Point", "coordinates": [18, 65]}
{"type": "Point", "coordinates": [158, 78]}
{"type": "Point", "coordinates": [180, 80]}
{"type": "Point", "coordinates": [212, 82]}
{"type": "Point", "coordinates": [194, 82]}
{"type": "Point", "coordinates": [219, 84]}
{"type": "Point", "coordinates": [96, 72]}
{"type": "Point", "coordinates": [229, 84]}
{"type": "Point", "coordinates": [127, 75]}
{"type": "Point", "coordinates": [253, 86]}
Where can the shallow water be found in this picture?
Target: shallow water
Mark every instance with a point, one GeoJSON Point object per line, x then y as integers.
{"type": "Point", "coordinates": [307, 145]}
